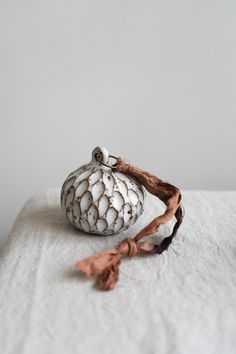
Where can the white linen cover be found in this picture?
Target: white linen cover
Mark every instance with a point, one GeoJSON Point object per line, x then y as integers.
{"type": "Point", "coordinates": [181, 302]}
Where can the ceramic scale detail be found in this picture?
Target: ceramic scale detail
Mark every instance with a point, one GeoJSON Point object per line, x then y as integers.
{"type": "Point", "coordinates": [99, 200]}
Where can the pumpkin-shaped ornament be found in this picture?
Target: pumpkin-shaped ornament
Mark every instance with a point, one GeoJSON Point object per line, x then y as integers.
{"type": "Point", "coordinates": [104, 198]}
{"type": "Point", "coordinates": [99, 200]}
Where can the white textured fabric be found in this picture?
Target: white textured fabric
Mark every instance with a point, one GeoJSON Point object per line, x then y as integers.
{"type": "Point", "coordinates": [181, 302]}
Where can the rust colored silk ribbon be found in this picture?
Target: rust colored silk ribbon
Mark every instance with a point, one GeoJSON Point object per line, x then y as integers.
{"type": "Point", "coordinates": [105, 265]}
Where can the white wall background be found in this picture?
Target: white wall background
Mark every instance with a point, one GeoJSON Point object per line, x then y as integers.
{"type": "Point", "coordinates": [154, 81]}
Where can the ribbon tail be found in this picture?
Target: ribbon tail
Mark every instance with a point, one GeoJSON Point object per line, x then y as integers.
{"type": "Point", "coordinates": [96, 264]}
{"type": "Point", "coordinates": [109, 278]}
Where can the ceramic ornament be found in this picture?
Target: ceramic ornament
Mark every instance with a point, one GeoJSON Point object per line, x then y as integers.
{"type": "Point", "coordinates": [99, 200]}
{"type": "Point", "coordinates": [105, 198]}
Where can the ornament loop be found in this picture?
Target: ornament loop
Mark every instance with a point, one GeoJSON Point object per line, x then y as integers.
{"type": "Point", "coordinates": [112, 166]}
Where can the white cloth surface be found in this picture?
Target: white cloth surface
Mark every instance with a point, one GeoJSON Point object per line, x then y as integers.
{"type": "Point", "coordinates": [181, 302]}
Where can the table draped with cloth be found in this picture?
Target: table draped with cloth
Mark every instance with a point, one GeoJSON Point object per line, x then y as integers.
{"type": "Point", "coordinates": [181, 302]}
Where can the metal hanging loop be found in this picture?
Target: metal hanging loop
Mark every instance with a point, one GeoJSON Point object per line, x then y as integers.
{"type": "Point", "coordinates": [112, 166]}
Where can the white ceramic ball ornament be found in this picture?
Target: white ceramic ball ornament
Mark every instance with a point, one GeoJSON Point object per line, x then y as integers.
{"type": "Point", "coordinates": [98, 200]}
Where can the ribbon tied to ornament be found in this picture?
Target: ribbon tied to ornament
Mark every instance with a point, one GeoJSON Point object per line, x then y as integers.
{"type": "Point", "coordinates": [105, 265]}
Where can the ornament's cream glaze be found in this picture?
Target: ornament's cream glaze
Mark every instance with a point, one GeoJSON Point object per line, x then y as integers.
{"type": "Point", "coordinates": [99, 200]}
